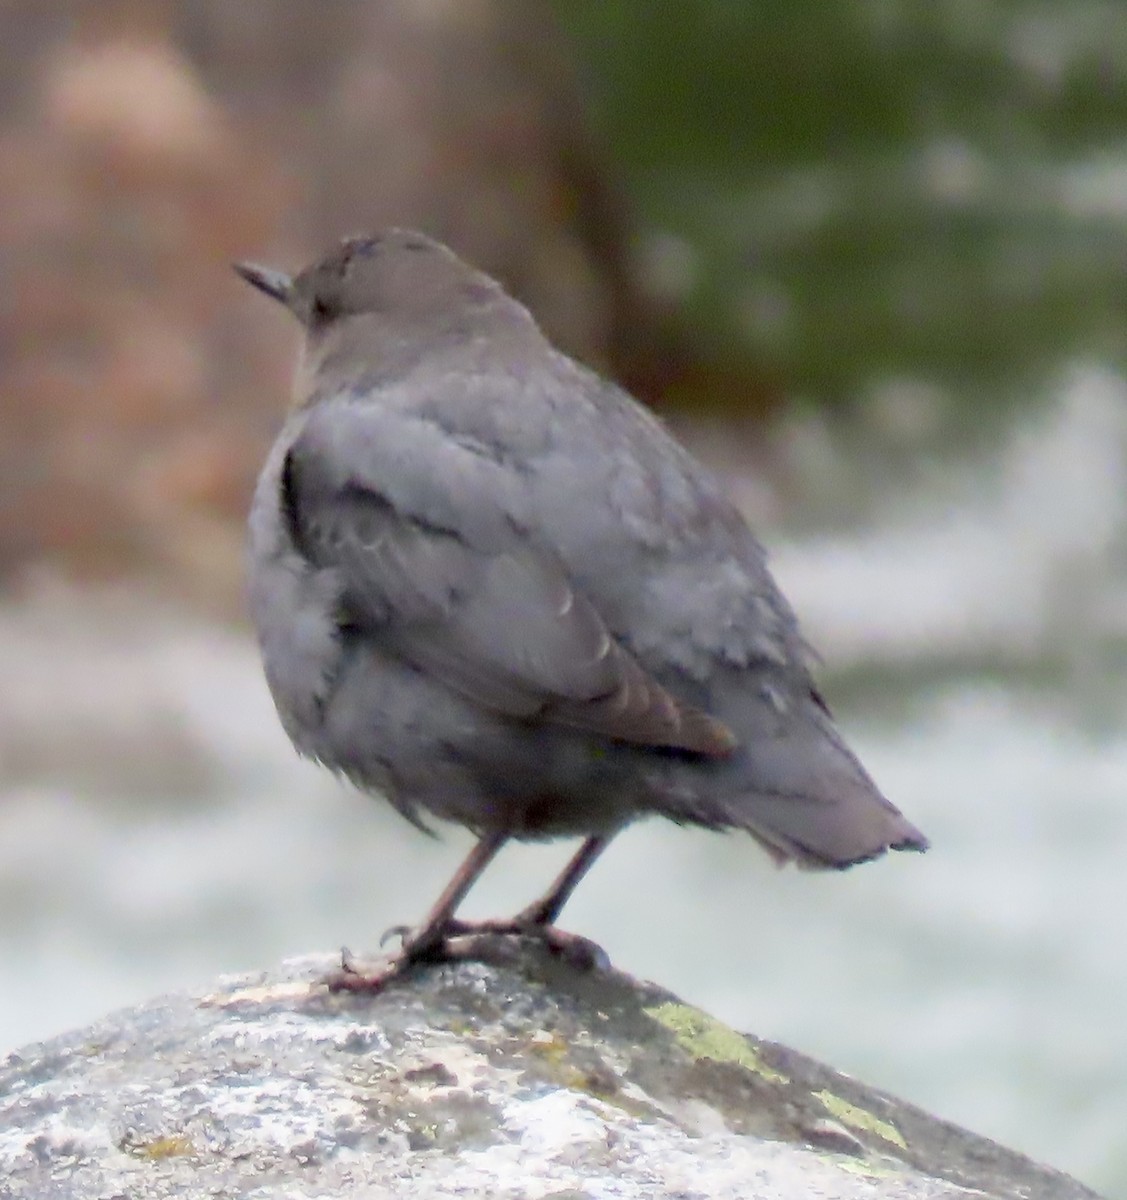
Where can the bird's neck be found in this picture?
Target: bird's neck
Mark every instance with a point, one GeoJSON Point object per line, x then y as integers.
{"type": "Point", "coordinates": [388, 348]}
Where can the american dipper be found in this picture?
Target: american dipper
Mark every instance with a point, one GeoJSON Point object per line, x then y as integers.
{"type": "Point", "coordinates": [490, 586]}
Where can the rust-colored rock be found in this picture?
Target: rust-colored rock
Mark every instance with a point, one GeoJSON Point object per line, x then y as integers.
{"type": "Point", "coordinates": [146, 144]}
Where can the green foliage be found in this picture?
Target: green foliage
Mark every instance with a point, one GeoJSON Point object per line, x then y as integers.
{"type": "Point", "coordinates": [876, 187]}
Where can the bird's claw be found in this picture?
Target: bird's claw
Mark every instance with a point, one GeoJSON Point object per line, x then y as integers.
{"type": "Point", "coordinates": [352, 976]}
{"type": "Point", "coordinates": [395, 931]}
{"type": "Point", "coordinates": [579, 952]}
{"type": "Point", "coordinates": [435, 945]}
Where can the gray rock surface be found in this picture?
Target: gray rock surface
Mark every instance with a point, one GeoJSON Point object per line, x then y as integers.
{"type": "Point", "coordinates": [509, 1076]}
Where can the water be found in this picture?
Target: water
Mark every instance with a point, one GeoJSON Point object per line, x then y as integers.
{"type": "Point", "coordinates": [156, 829]}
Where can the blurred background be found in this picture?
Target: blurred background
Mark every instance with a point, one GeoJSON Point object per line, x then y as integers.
{"type": "Point", "coordinates": [867, 258]}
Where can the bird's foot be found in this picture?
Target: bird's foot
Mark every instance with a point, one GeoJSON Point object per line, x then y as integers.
{"type": "Point", "coordinates": [354, 976]}
{"type": "Point", "coordinates": [577, 951]}
{"type": "Point", "coordinates": [457, 940]}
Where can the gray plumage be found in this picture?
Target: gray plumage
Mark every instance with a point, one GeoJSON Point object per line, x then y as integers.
{"type": "Point", "coordinates": [490, 586]}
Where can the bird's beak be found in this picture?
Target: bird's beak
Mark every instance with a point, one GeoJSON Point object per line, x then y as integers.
{"type": "Point", "coordinates": [276, 284]}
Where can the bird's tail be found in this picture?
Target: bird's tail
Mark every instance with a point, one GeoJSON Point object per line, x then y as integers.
{"type": "Point", "coordinates": [796, 787]}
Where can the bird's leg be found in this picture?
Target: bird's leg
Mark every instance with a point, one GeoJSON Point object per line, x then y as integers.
{"type": "Point", "coordinates": [545, 910]}
{"type": "Point", "coordinates": [538, 919]}
{"type": "Point", "coordinates": [428, 941]}
{"type": "Point", "coordinates": [439, 923]}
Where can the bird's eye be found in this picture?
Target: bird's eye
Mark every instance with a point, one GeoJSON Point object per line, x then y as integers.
{"type": "Point", "coordinates": [321, 309]}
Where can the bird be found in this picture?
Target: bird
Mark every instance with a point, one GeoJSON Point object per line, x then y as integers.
{"type": "Point", "coordinates": [491, 587]}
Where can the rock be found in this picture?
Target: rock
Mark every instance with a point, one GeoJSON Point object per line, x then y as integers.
{"type": "Point", "coordinates": [508, 1076]}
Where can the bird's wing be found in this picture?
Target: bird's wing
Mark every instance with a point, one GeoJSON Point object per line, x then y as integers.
{"type": "Point", "coordinates": [427, 566]}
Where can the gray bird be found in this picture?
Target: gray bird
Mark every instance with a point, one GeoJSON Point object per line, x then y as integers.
{"type": "Point", "coordinates": [490, 586]}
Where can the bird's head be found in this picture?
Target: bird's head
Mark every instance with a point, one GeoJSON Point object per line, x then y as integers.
{"type": "Point", "coordinates": [396, 275]}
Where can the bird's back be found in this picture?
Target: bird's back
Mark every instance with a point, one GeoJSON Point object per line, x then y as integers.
{"type": "Point", "coordinates": [649, 536]}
